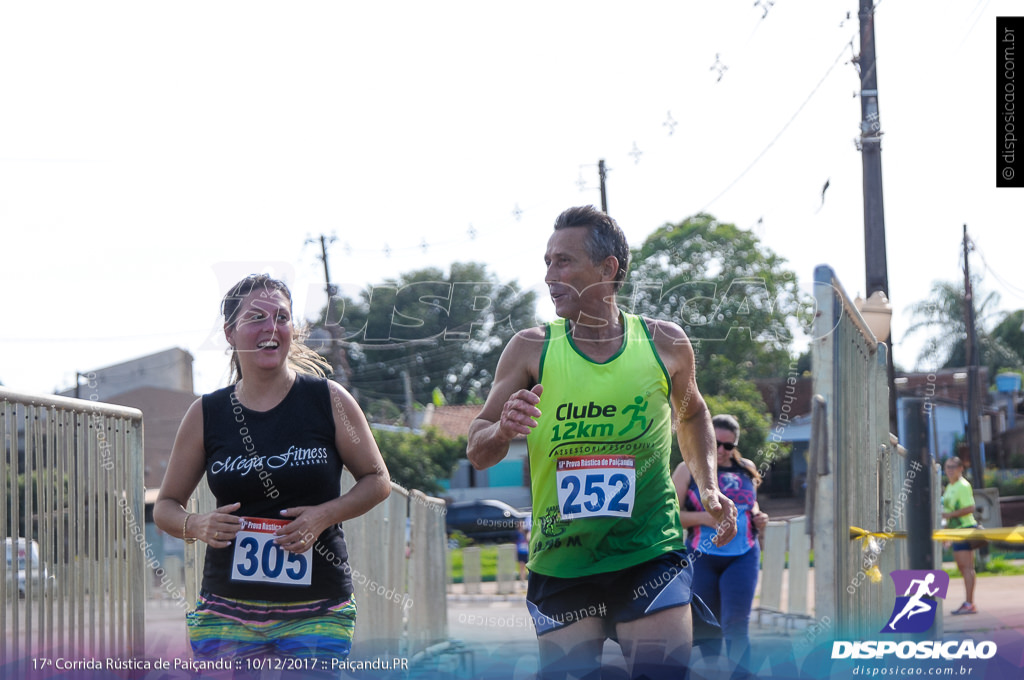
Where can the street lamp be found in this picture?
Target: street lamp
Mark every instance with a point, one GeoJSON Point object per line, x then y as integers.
{"type": "Point", "coordinates": [877, 313]}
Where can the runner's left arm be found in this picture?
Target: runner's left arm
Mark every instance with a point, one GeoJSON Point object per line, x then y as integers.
{"type": "Point", "coordinates": [694, 432]}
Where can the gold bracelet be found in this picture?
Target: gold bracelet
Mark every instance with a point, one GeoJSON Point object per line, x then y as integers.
{"type": "Point", "coordinates": [184, 529]}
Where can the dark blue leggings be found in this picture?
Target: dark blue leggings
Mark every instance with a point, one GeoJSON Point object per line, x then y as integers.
{"type": "Point", "coordinates": [727, 584]}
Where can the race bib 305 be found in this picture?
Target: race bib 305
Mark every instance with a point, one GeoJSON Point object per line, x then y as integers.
{"type": "Point", "coordinates": [258, 558]}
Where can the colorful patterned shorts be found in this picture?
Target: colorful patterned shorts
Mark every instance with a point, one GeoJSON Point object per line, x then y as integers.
{"type": "Point", "coordinates": [221, 627]}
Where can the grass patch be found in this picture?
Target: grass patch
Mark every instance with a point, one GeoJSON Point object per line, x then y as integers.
{"type": "Point", "coordinates": [786, 561]}
{"type": "Point", "coordinates": [997, 565]}
{"type": "Point", "coordinates": [488, 563]}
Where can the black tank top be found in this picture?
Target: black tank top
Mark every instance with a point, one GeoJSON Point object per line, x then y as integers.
{"type": "Point", "coordinates": [269, 461]}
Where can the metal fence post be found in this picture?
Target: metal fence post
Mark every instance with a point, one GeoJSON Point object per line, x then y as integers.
{"type": "Point", "coordinates": [71, 474]}
{"type": "Point", "coordinates": [919, 465]}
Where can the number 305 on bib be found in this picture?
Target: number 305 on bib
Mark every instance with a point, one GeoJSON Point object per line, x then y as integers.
{"type": "Point", "coordinates": [258, 558]}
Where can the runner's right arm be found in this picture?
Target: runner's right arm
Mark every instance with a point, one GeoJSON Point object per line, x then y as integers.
{"type": "Point", "coordinates": [511, 406]}
{"type": "Point", "coordinates": [184, 470]}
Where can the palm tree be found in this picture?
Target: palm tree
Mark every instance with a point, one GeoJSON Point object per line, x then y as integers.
{"type": "Point", "coordinates": [943, 316]}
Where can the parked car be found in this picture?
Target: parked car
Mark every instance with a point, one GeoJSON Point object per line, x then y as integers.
{"type": "Point", "coordinates": [28, 561]}
{"type": "Point", "coordinates": [485, 521]}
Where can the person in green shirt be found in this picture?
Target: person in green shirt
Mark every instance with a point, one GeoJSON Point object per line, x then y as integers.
{"type": "Point", "coordinates": [958, 511]}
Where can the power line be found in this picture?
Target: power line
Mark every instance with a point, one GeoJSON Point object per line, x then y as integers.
{"type": "Point", "coordinates": [387, 250]}
{"type": "Point", "coordinates": [1017, 292]}
{"type": "Point", "coordinates": [976, 19]}
{"type": "Point", "coordinates": [780, 133]}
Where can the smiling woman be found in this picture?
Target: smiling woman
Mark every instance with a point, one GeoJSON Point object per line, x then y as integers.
{"type": "Point", "coordinates": [247, 328]}
{"type": "Point", "coordinates": [272, 446]}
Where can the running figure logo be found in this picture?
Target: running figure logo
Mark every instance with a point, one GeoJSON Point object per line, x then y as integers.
{"type": "Point", "coordinates": [916, 585]}
{"type": "Point", "coordinates": [637, 408]}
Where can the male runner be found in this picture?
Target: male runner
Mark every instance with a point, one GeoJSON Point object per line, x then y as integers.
{"type": "Point", "coordinates": [595, 393]}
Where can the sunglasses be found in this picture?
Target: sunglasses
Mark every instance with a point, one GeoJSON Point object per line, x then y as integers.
{"type": "Point", "coordinates": [728, 446]}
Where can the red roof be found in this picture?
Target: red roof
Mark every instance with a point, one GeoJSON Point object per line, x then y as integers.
{"type": "Point", "coordinates": [453, 421]}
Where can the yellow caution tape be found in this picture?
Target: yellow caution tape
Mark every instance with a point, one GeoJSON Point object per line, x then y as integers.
{"type": "Point", "coordinates": [1000, 534]}
{"type": "Point", "coordinates": [857, 532]}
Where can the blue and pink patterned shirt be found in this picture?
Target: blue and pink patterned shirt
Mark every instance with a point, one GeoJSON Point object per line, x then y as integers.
{"type": "Point", "coordinates": [736, 483]}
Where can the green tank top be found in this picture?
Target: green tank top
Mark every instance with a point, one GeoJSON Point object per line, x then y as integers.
{"type": "Point", "coordinates": [603, 498]}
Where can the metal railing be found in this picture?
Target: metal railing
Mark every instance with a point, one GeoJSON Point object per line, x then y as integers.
{"type": "Point", "coordinates": [73, 582]}
{"type": "Point", "coordinates": [398, 556]}
{"type": "Point", "coordinates": [856, 472]}
{"type": "Point", "coordinates": [428, 572]}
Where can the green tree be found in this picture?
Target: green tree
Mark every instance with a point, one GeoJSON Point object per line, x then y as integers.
{"type": "Point", "coordinates": [943, 316]}
{"type": "Point", "coordinates": [418, 461]}
{"type": "Point", "coordinates": [1009, 333]}
{"type": "Point", "coordinates": [433, 335]}
{"type": "Point", "coordinates": [732, 296]}
{"type": "Point", "coordinates": [755, 426]}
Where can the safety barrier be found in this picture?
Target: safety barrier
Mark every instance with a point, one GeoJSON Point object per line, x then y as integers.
{"type": "Point", "coordinates": [471, 571]}
{"type": "Point", "coordinates": [786, 558]}
{"type": "Point", "coordinates": [506, 578]}
{"type": "Point", "coordinates": [856, 475]}
{"type": "Point", "coordinates": [428, 572]}
{"type": "Point", "coordinates": [72, 516]}
{"type": "Point", "coordinates": [397, 554]}
{"type": "Point", "coordinates": [508, 569]}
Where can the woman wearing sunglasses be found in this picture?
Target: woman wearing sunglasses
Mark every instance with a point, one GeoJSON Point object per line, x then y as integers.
{"type": "Point", "coordinates": [725, 577]}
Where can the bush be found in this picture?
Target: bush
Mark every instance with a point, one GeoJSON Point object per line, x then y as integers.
{"type": "Point", "coordinates": [459, 539]}
{"type": "Point", "coordinates": [1009, 482]}
{"type": "Point", "coordinates": [418, 461]}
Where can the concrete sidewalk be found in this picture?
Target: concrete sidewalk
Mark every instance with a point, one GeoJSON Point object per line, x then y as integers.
{"type": "Point", "coordinates": [1000, 603]}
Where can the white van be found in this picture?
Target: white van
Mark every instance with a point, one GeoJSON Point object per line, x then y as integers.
{"type": "Point", "coordinates": [28, 560]}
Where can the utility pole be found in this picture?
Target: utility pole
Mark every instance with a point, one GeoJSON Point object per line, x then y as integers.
{"type": "Point", "coordinates": [407, 391]}
{"type": "Point", "coordinates": [875, 260]}
{"type": "Point", "coordinates": [973, 375]}
{"type": "Point", "coordinates": [336, 354]}
{"type": "Point", "coordinates": [871, 156]}
{"type": "Point", "coordinates": [603, 174]}
{"type": "Point", "coordinates": [329, 287]}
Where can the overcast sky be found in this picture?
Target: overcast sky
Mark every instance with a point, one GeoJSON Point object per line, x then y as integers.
{"type": "Point", "coordinates": [153, 153]}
